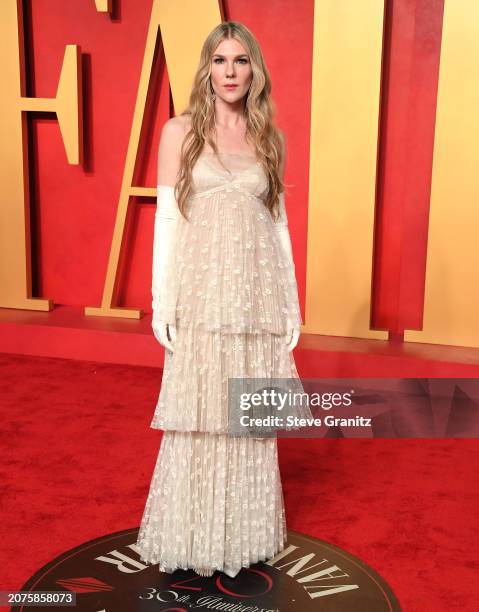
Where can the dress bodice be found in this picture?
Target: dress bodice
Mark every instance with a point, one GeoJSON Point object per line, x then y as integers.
{"type": "Point", "coordinates": [228, 270]}
{"type": "Point", "coordinates": [239, 171]}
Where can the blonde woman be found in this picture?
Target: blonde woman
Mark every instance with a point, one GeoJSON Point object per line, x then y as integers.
{"type": "Point", "coordinates": [225, 304]}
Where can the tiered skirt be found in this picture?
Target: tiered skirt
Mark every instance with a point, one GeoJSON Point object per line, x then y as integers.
{"type": "Point", "coordinates": [215, 499]}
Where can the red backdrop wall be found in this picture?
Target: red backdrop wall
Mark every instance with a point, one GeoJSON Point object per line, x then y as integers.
{"type": "Point", "coordinates": [74, 207]}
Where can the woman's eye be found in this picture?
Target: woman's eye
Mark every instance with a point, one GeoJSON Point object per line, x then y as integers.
{"type": "Point", "coordinates": [242, 60]}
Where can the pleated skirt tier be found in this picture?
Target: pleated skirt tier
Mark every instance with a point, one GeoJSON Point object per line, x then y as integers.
{"type": "Point", "coordinates": [215, 501]}
{"type": "Point", "coordinates": [195, 389]}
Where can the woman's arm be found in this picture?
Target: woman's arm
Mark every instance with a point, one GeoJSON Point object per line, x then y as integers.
{"type": "Point", "coordinates": [282, 230]}
{"type": "Point", "coordinates": [167, 216]}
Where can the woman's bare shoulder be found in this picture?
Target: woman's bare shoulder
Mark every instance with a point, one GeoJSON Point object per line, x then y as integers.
{"type": "Point", "coordinates": [174, 131]}
{"type": "Point", "coordinates": [169, 151]}
{"type": "Point", "coordinates": [178, 125]}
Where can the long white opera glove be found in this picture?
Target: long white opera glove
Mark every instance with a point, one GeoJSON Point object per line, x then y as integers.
{"type": "Point", "coordinates": [164, 273]}
{"type": "Point", "coordinates": [294, 320]}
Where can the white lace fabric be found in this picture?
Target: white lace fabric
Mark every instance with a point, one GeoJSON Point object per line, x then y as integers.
{"type": "Point", "coordinates": [229, 270]}
{"type": "Point", "coordinates": [215, 500]}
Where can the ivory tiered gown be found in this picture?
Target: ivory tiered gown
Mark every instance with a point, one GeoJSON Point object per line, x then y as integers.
{"type": "Point", "coordinates": [216, 500]}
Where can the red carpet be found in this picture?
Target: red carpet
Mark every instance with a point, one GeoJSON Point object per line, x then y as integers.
{"type": "Point", "coordinates": [77, 457]}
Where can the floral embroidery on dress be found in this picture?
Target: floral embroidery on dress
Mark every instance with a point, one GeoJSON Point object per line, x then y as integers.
{"type": "Point", "coordinates": [216, 500]}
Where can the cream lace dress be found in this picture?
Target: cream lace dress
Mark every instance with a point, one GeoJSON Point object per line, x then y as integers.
{"type": "Point", "coordinates": [216, 500]}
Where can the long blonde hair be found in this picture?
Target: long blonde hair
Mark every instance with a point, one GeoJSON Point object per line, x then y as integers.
{"type": "Point", "coordinates": [259, 112]}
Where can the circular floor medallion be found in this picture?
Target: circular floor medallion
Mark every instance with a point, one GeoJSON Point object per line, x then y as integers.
{"type": "Point", "coordinates": [106, 575]}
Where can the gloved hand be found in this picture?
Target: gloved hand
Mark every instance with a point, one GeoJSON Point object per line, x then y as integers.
{"type": "Point", "coordinates": [164, 280]}
{"type": "Point", "coordinates": [293, 321]}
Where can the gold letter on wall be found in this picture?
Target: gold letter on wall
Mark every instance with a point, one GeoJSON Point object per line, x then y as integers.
{"type": "Point", "coordinates": [182, 40]}
{"type": "Point", "coordinates": [103, 6]}
{"type": "Point", "coordinates": [15, 252]}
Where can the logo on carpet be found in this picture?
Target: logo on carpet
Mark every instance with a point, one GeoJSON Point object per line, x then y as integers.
{"type": "Point", "coordinates": [107, 575]}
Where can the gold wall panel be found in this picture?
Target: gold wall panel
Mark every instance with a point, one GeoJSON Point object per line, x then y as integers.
{"type": "Point", "coordinates": [346, 80]}
{"type": "Point", "coordinates": [451, 308]}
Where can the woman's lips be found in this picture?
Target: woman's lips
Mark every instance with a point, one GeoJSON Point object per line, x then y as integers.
{"type": "Point", "coordinates": [231, 86]}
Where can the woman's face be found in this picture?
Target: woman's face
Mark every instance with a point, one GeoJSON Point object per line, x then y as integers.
{"type": "Point", "coordinates": [230, 64]}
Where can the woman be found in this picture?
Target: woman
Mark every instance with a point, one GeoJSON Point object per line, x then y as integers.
{"type": "Point", "coordinates": [225, 305]}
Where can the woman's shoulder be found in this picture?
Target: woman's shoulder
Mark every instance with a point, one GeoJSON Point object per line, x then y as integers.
{"type": "Point", "coordinates": [179, 124]}
{"type": "Point", "coordinates": [174, 131]}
